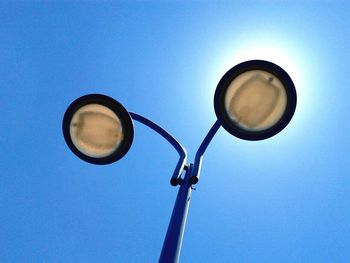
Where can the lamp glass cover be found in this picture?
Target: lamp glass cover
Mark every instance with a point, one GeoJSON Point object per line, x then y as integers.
{"type": "Point", "coordinates": [96, 130]}
{"type": "Point", "coordinates": [255, 100]}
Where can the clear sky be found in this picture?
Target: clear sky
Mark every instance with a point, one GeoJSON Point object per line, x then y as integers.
{"type": "Point", "coordinates": [285, 199]}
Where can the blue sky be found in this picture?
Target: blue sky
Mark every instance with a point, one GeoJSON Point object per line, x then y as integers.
{"type": "Point", "coordinates": [285, 199]}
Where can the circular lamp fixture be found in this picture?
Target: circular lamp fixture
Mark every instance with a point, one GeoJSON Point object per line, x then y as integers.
{"type": "Point", "coordinates": [98, 129]}
{"type": "Point", "coordinates": [255, 100]}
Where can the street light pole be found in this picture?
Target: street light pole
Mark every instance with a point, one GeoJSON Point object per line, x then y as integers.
{"type": "Point", "coordinates": [173, 239]}
{"type": "Point", "coordinates": [174, 236]}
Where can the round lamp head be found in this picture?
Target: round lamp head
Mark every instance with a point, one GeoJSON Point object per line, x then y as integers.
{"type": "Point", "coordinates": [255, 100]}
{"type": "Point", "coordinates": [98, 129]}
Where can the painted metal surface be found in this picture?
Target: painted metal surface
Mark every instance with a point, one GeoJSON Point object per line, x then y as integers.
{"type": "Point", "coordinates": [174, 236]}
{"type": "Point", "coordinates": [178, 147]}
{"type": "Point", "coordinates": [201, 150]}
{"type": "Point", "coordinates": [173, 240]}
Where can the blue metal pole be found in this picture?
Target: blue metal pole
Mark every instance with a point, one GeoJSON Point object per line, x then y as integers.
{"type": "Point", "coordinates": [174, 236]}
{"type": "Point", "coordinates": [173, 239]}
{"type": "Point", "coordinates": [178, 147]}
{"type": "Point", "coordinates": [200, 152]}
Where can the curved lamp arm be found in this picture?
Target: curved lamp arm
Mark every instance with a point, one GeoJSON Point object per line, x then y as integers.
{"type": "Point", "coordinates": [178, 147]}
{"type": "Point", "coordinates": [200, 152]}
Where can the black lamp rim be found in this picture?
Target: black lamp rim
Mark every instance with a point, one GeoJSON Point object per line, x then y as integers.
{"type": "Point", "coordinates": [111, 104]}
{"type": "Point", "coordinates": [220, 92]}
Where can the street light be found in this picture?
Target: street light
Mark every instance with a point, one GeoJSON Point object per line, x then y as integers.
{"type": "Point", "coordinates": [98, 129]}
{"type": "Point", "coordinates": [253, 101]}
